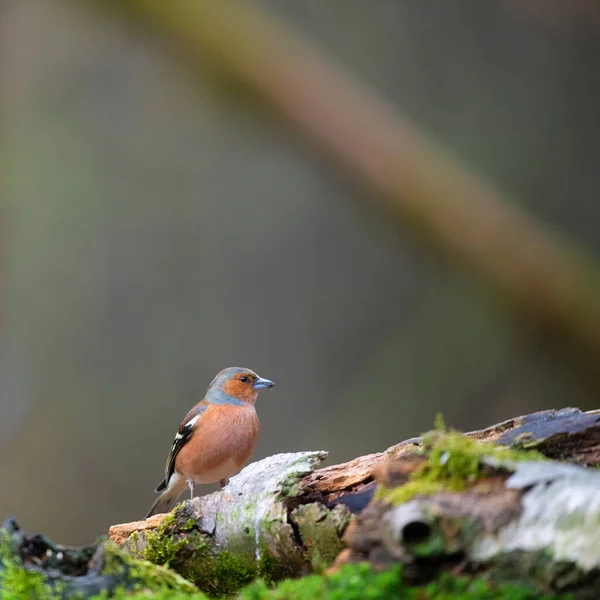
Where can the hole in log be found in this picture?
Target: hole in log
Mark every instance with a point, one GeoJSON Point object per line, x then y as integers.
{"type": "Point", "coordinates": [414, 533]}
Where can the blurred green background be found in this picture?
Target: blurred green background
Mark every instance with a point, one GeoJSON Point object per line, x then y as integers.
{"type": "Point", "coordinates": [159, 226]}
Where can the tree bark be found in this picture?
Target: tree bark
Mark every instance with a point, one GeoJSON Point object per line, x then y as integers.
{"type": "Point", "coordinates": [444, 502]}
{"type": "Point", "coordinates": [511, 522]}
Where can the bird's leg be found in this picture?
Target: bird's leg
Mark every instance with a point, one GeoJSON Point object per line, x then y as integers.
{"type": "Point", "coordinates": [224, 482]}
{"type": "Point", "coordinates": [191, 486]}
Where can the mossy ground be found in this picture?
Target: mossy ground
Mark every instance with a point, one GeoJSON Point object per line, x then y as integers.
{"type": "Point", "coordinates": [19, 583]}
{"type": "Point", "coordinates": [351, 582]}
{"type": "Point", "coordinates": [143, 574]}
{"type": "Point", "coordinates": [454, 461]}
{"type": "Point", "coordinates": [359, 582]}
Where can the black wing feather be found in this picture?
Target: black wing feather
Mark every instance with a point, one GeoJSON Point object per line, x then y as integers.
{"type": "Point", "coordinates": [181, 439]}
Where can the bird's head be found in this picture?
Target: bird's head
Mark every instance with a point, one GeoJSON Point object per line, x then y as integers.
{"type": "Point", "coordinates": [236, 384]}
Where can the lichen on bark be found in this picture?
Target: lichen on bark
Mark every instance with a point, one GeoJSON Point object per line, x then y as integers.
{"type": "Point", "coordinates": [478, 508]}
{"type": "Point", "coordinates": [226, 539]}
{"type": "Point", "coordinates": [446, 504]}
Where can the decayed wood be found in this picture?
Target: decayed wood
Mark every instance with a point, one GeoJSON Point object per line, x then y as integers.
{"type": "Point", "coordinates": [534, 521]}
{"type": "Point", "coordinates": [252, 518]}
{"type": "Point", "coordinates": [567, 434]}
{"type": "Point", "coordinates": [120, 533]}
{"type": "Point", "coordinates": [528, 521]}
{"type": "Point", "coordinates": [282, 506]}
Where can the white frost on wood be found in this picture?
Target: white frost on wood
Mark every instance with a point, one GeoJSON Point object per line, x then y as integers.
{"type": "Point", "coordinates": [560, 513]}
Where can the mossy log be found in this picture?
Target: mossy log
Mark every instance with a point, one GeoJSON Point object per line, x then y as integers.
{"type": "Point", "coordinates": [532, 522]}
{"type": "Point", "coordinates": [254, 527]}
{"type": "Point", "coordinates": [489, 503]}
{"type": "Point", "coordinates": [32, 567]}
{"type": "Point", "coordinates": [281, 517]}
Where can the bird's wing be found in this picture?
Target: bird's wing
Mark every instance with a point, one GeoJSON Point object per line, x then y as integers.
{"type": "Point", "coordinates": [186, 429]}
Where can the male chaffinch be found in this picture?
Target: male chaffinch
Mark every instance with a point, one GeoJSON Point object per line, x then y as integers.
{"type": "Point", "coordinates": [216, 437]}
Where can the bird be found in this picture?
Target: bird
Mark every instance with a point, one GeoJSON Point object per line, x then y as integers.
{"type": "Point", "coordinates": [215, 439]}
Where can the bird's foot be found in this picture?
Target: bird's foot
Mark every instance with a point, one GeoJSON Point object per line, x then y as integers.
{"type": "Point", "coordinates": [224, 482]}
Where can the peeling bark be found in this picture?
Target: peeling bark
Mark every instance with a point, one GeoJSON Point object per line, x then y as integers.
{"type": "Point", "coordinates": [567, 435]}
{"type": "Point", "coordinates": [253, 519]}
{"type": "Point", "coordinates": [535, 522]}
{"type": "Point", "coordinates": [531, 522]}
{"type": "Point", "coordinates": [283, 508]}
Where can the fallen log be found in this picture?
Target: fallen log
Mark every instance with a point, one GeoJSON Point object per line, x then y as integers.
{"type": "Point", "coordinates": [502, 504]}
{"type": "Point", "coordinates": [534, 522]}
{"type": "Point", "coordinates": [280, 517]}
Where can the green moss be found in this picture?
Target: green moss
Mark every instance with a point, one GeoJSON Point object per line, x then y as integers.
{"type": "Point", "coordinates": [20, 583]}
{"type": "Point", "coordinates": [360, 582]}
{"type": "Point", "coordinates": [352, 582]}
{"type": "Point", "coordinates": [189, 524]}
{"type": "Point", "coordinates": [164, 595]}
{"type": "Point", "coordinates": [453, 462]}
{"type": "Point", "coordinates": [406, 492]}
{"type": "Point", "coordinates": [162, 545]}
{"type": "Point", "coordinates": [268, 569]}
{"type": "Point", "coordinates": [143, 575]}
{"type": "Point", "coordinates": [17, 582]}
{"type": "Point", "coordinates": [178, 544]}
{"type": "Point", "coordinates": [223, 573]}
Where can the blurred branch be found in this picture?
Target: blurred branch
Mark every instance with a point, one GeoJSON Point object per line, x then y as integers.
{"type": "Point", "coordinates": [544, 276]}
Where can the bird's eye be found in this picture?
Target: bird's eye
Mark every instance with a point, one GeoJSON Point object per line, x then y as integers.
{"type": "Point", "coordinates": [244, 379]}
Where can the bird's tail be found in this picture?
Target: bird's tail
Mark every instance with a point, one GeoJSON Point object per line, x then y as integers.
{"type": "Point", "coordinates": [168, 498]}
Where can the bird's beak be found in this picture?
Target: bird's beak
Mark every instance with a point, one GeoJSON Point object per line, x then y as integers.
{"type": "Point", "coordinates": [261, 383]}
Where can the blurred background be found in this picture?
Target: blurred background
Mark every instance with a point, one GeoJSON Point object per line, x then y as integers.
{"type": "Point", "coordinates": [160, 224]}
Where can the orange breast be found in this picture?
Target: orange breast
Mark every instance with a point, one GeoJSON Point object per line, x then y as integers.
{"type": "Point", "coordinates": [223, 441]}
